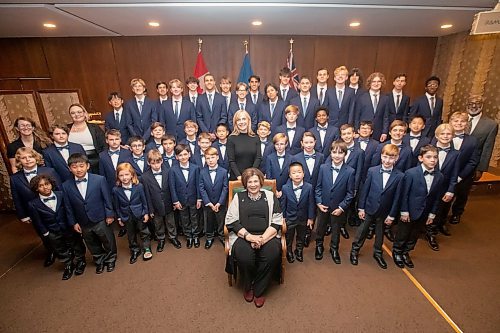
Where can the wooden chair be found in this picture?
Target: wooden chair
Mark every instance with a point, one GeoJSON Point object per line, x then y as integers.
{"type": "Point", "coordinates": [236, 186]}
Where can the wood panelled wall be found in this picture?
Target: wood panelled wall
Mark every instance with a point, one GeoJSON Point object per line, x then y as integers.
{"type": "Point", "coordinates": [99, 65]}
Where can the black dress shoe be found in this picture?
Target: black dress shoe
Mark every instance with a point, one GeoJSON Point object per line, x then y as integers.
{"type": "Point", "coordinates": [299, 255]}
{"type": "Point", "coordinates": [318, 254]}
{"type": "Point", "coordinates": [335, 256]}
{"type": "Point", "coordinates": [307, 240]}
{"type": "Point", "coordinates": [289, 257]}
{"type": "Point", "coordinates": [80, 267]}
{"type": "Point", "coordinates": [407, 260]}
{"type": "Point", "coordinates": [370, 234]}
{"type": "Point", "coordinates": [175, 242]}
{"type": "Point", "coordinates": [444, 230]}
{"type": "Point", "coordinates": [398, 260]}
{"type": "Point", "coordinates": [354, 258]}
{"type": "Point", "coordinates": [328, 230]}
{"type": "Point", "coordinates": [344, 233]}
{"type": "Point", "coordinates": [189, 243]}
{"type": "Point", "coordinates": [380, 262]}
{"type": "Point", "coordinates": [431, 240]}
{"type": "Point", "coordinates": [134, 257]}
{"type": "Point", "coordinates": [209, 243]}
{"type": "Point", "coordinates": [99, 269]}
{"type": "Point", "coordinates": [68, 271]}
{"type": "Point", "coordinates": [122, 232]}
{"type": "Point", "coordinates": [196, 242]}
{"type": "Point", "coordinates": [161, 245]}
{"type": "Point", "coordinates": [388, 234]}
{"type": "Point", "coordinates": [455, 219]}
{"type": "Point", "coordinates": [49, 259]}
{"type": "Point", "coordinates": [110, 266]}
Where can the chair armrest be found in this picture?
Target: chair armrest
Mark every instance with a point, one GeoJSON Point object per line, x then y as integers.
{"type": "Point", "coordinates": [226, 241]}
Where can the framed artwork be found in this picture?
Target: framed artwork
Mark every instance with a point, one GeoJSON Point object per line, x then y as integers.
{"type": "Point", "coordinates": [55, 104]}
{"type": "Point", "coordinates": [14, 104]}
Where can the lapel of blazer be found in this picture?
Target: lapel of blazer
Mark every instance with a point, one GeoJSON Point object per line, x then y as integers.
{"type": "Point", "coordinates": [340, 176]}
{"type": "Point", "coordinates": [391, 179]}
{"type": "Point", "coordinates": [43, 207]}
{"type": "Point", "coordinates": [59, 199]}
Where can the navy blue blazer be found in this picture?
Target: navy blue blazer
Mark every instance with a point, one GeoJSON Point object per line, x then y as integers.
{"type": "Point", "coordinates": [187, 193]}
{"type": "Point", "coordinates": [264, 114]}
{"type": "Point", "coordinates": [136, 166]}
{"type": "Point", "coordinates": [123, 126]}
{"type": "Point", "coordinates": [166, 160]}
{"type": "Point", "coordinates": [295, 147]}
{"type": "Point", "coordinates": [309, 177]}
{"type": "Point", "coordinates": [414, 197]}
{"type": "Point", "coordinates": [97, 205]}
{"type": "Point", "coordinates": [273, 170]}
{"type": "Point", "coordinates": [215, 193]}
{"type": "Point", "coordinates": [450, 169]}
{"type": "Point", "coordinates": [175, 126]}
{"type": "Point", "coordinates": [345, 114]}
{"type": "Point", "coordinates": [140, 123]}
{"type": "Point", "coordinates": [376, 200]}
{"type": "Point", "coordinates": [314, 91]}
{"type": "Point", "coordinates": [301, 210]}
{"type": "Point", "coordinates": [332, 134]}
{"type": "Point", "coordinates": [405, 156]}
{"type": "Point", "coordinates": [196, 158]}
{"type": "Point", "coordinates": [289, 95]}
{"type": "Point", "coordinates": [159, 198]}
{"type": "Point", "coordinates": [223, 159]}
{"type": "Point", "coordinates": [53, 159]}
{"type": "Point", "coordinates": [338, 194]}
{"type": "Point", "coordinates": [363, 111]}
{"type": "Point", "coordinates": [370, 150]}
{"type": "Point", "coordinates": [402, 113]}
{"type": "Point", "coordinates": [309, 120]}
{"type": "Point", "coordinates": [137, 205]}
{"type": "Point", "coordinates": [45, 219]}
{"type": "Point", "coordinates": [151, 145]}
{"type": "Point", "coordinates": [249, 107]}
{"type": "Point", "coordinates": [421, 142]}
{"type": "Point", "coordinates": [21, 191]}
{"type": "Point", "coordinates": [209, 119]}
{"type": "Point", "coordinates": [356, 161]}
{"type": "Point", "coordinates": [267, 151]}
{"type": "Point", "coordinates": [260, 98]}
{"type": "Point", "coordinates": [106, 167]}
{"type": "Point", "coordinates": [469, 156]}
{"type": "Point", "coordinates": [421, 108]}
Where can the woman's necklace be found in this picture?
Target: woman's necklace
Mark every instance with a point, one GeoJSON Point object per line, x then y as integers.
{"type": "Point", "coordinates": [255, 197]}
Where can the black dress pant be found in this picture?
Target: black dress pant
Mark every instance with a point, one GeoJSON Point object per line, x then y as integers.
{"type": "Point", "coordinates": [165, 223]}
{"type": "Point", "coordinates": [407, 235]}
{"type": "Point", "coordinates": [462, 191]}
{"type": "Point", "coordinates": [362, 232]}
{"type": "Point", "coordinates": [257, 266]}
{"type": "Point", "coordinates": [136, 227]}
{"type": "Point", "coordinates": [441, 214]}
{"type": "Point", "coordinates": [66, 245]}
{"type": "Point", "coordinates": [100, 241]}
{"type": "Point", "coordinates": [189, 221]}
{"type": "Point", "coordinates": [335, 221]}
{"type": "Point", "coordinates": [295, 229]}
{"type": "Point", "coordinates": [214, 222]}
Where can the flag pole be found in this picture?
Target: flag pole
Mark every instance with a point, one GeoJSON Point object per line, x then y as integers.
{"type": "Point", "coordinates": [291, 44]}
{"type": "Point", "coordinates": [200, 41]}
{"type": "Point", "coordinates": [246, 46]}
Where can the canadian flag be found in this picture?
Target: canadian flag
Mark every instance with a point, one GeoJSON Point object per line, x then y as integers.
{"type": "Point", "coordinates": [200, 70]}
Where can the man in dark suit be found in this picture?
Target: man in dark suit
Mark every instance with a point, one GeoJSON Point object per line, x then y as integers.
{"type": "Point", "coordinates": [324, 133]}
{"type": "Point", "coordinates": [141, 110]}
{"type": "Point", "coordinates": [286, 91]}
{"type": "Point", "coordinates": [242, 103]}
{"type": "Point", "coordinates": [399, 103]}
{"type": "Point", "coordinates": [430, 106]}
{"type": "Point", "coordinates": [272, 108]}
{"type": "Point", "coordinates": [415, 139]}
{"type": "Point", "coordinates": [306, 102]}
{"type": "Point", "coordinates": [373, 106]}
{"type": "Point", "coordinates": [192, 85]}
{"type": "Point", "coordinates": [211, 108]}
{"type": "Point", "coordinates": [340, 99]}
{"type": "Point", "coordinates": [174, 112]}
{"type": "Point", "coordinates": [117, 118]}
{"type": "Point", "coordinates": [254, 95]}
{"type": "Point", "coordinates": [321, 88]}
{"type": "Point", "coordinates": [111, 157]}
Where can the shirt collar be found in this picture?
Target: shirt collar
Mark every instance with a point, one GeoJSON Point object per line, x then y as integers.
{"type": "Point", "coordinates": [429, 96]}
{"type": "Point", "coordinates": [30, 170]}
{"type": "Point", "coordinates": [84, 177]}
{"type": "Point", "coordinates": [374, 92]}
{"type": "Point", "coordinates": [295, 186]}
{"type": "Point", "coordinates": [425, 169]}
{"type": "Point", "coordinates": [59, 145]}
{"type": "Point", "coordinates": [119, 110]}
{"type": "Point", "coordinates": [140, 99]}
{"type": "Point", "coordinates": [337, 167]}
{"type": "Point", "coordinates": [214, 168]}
{"type": "Point", "coordinates": [48, 196]}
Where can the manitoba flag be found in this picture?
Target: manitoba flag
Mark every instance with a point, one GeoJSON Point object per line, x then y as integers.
{"type": "Point", "coordinates": [290, 63]}
{"type": "Point", "coordinates": [200, 70]}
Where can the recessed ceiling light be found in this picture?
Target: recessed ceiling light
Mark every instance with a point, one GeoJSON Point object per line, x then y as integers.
{"type": "Point", "coordinates": [354, 24]}
{"type": "Point", "coordinates": [49, 25]}
{"type": "Point", "coordinates": [154, 24]}
{"type": "Point", "coordinates": [446, 26]}
{"type": "Point", "coordinates": [257, 23]}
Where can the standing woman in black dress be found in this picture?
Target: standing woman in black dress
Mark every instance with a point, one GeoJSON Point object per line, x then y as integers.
{"type": "Point", "coordinates": [243, 146]}
{"type": "Point", "coordinates": [28, 135]}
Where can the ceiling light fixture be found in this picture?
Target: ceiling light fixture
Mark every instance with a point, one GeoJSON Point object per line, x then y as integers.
{"type": "Point", "coordinates": [257, 23]}
{"type": "Point", "coordinates": [154, 24]}
{"type": "Point", "coordinates": [446, 26]}
{"type": "Point", "coordinates": [354, 24]}
{"type": "Point", "coordinates": [49, 25]}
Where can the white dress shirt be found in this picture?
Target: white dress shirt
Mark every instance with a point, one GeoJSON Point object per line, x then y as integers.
{"type": "Point", "coordinates": [127, 190]}
{"type": "Point", "coordinates": [457, 142]}
{"type": "Point", "coordinates": [82, 186]}
{"type": "Point", "coordinates": [30, 176]}
{"type": "Point", "coordinates": [297, 192]}
{"type": "Point", "coordinates": [475, 120]}
{"type": "Point", "coordinates": [52, 204]}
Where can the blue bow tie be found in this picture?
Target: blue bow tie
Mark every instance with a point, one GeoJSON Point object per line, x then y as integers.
{"type": "Point", "coordinates": [158, 145]}
{"type": "Point", "coordinates": [386, 171]}
{"type": "Point", "coordinates": [351, 149]}
{"type": "Point", "coordinates": [461, 136]}
{"type": "Point", "coordinates": [298, 188]}
{"type": "Point", "coordinates": [221, 144]}
{"type": "Point", "coordinates": [62, 147]}
{"type": "Point", "coordinates": [157, 173]}
{"type": "Point", "coordinates": [281, 157]}
{"type": "Point", "coordinates": [335, 169]}
{"type": "Point", "coordinates": [313, 156]}
{"type": "Point", "coordinates": [321, 129]}
{"type": "Point", "coordinates": [415, 137]}
{"type": "Point", "coordinates": [111, 153]}
{"type": "Point", "coordinates": [212, 171]}
{"type": "Point", "coordinates": [288, 129]}
{"type": "Point", "coordinates": [83, 180]}
{"type": "Point", "coordinates": [166, 158]}
{"type": "Point", "coordinates": [191, 142]}
{"type": "Point", "coordinates": [137, 159]}
{"type": "Point", "coordinates": [30, 173]}
{"type": "Point", "coordinates": [185, 169]}
{"type": "Point", "coordinates": [364, 140]}
{"type": "Point", "coordinates": [127, 189]}
{"type": "Point", "coordinates": [264, 142]}
{"type": "Point", "coordinates": [49, 198]}
{"type": "Point", "coordinates": [446, 150]}
{"type": "Point", "coordinates": [428, 173]}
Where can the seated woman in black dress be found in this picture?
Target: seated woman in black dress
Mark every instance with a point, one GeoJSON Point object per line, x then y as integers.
{"type": "Point", "coordinates": [28, 135]}
{"type": "Point", "coordinates": [243, 146]}
{"type": "Point", "coordinates": [254, 218]}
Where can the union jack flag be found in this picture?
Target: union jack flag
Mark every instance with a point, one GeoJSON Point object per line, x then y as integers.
{"type": "Point", "coordinates": [290, 63]}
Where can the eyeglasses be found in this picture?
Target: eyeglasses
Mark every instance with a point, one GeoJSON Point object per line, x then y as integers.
{"type": "Point", "coordinates": [137, 145]}
{"type": "Point", "coordinates": [28, 126]}
{"type": "Point", "coordinates": [474, 104]}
